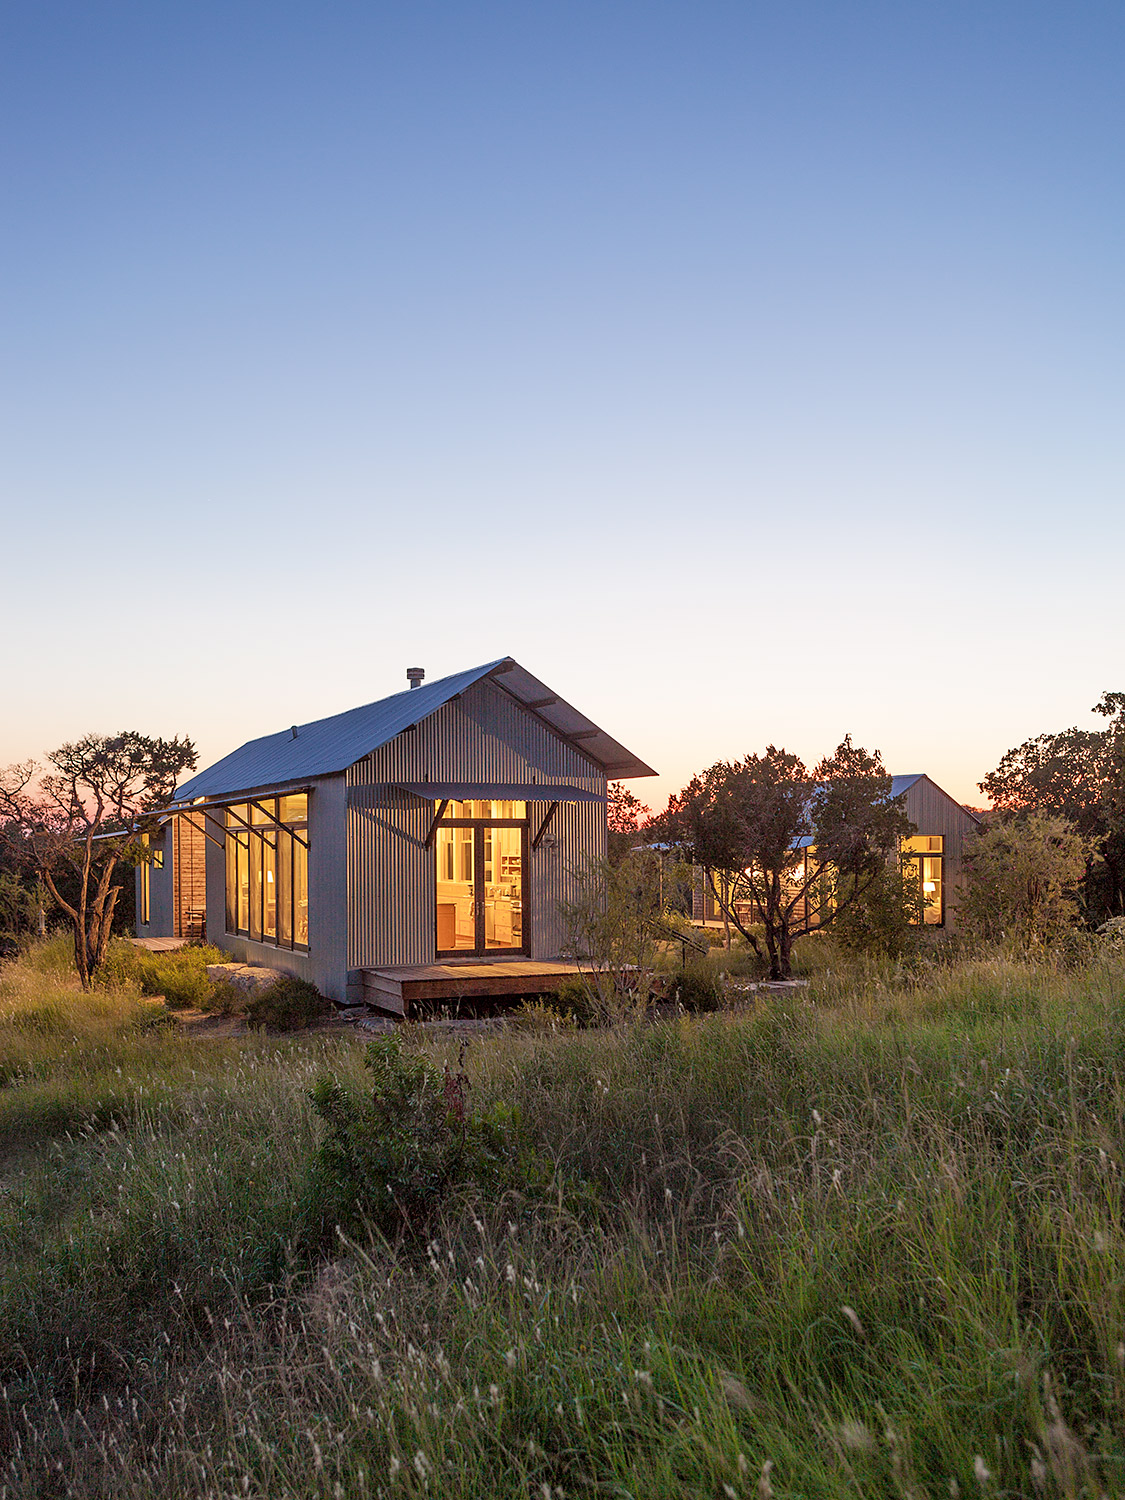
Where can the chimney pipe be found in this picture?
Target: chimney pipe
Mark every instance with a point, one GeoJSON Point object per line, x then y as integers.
{"type": "Point", "coordinates": [414, 676]}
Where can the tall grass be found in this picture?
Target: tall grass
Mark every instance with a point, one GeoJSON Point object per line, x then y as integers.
{"type": "Point", "coordinates": [864, 1240]}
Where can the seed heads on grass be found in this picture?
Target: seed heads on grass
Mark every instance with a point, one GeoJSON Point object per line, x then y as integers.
{"type": "Point", "coordinates": [854, 1319]}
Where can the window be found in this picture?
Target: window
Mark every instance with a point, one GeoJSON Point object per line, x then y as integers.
{"type": "Point", "coordinates": [144, 915]}
{"type": "Point", "coordinates": [480, 850]}
{"type": "Point", "coordinates": [267, 854]}
{"type": "Point", "coordinates": [144, 904]}
{"type": "Point", "coordinates": [922, 861]}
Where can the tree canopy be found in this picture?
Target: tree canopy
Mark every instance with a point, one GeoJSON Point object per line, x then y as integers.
{"type": "Point", "coordinates": [1078, 775]}
{"type": "Point", "coordinates": [796, 847]}
{"type": "Point", "coordinates": [85, 815]}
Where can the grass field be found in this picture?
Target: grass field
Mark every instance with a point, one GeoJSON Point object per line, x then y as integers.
{"type": "Point", "coordinates": [866, 1240]}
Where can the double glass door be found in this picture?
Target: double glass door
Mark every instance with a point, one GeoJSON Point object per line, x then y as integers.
{"type": "Point", "coordinates": [480, 880]}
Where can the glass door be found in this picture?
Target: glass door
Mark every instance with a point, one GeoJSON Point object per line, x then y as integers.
{"type": "Point", "coordinates": [480, 880]}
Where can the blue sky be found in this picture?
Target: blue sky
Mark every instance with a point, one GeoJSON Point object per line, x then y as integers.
{"type": "Point", "coordinates": [749, 372]}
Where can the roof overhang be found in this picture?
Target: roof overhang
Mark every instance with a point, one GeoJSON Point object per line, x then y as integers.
{"type": "Point", "coordinates": [564, 720]}
{"type": "Point", "coordinates": [499, 791]}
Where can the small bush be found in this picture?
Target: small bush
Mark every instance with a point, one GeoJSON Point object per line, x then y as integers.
{"type": "Point", "coordinates": [539, 1015]}
{"type": "Point", "coordinates": [180, 976]}
{"type": "Point", "coordinates": [391, 1155]}
{"type": "Point", "coordinates": [577, 1001]}
{"type": "Point", "coordinates": [697, 988]}
{"type": "Point", "coordinates": [286, 1005]}
{"type": "Point", "coordinates": [227, 999]}
{"type": "Point", "coordinates": [881, 920]}
{"type": "Point", "coordinates": [714, 937]}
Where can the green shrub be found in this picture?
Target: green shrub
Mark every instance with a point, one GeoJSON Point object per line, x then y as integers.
{"type": "Point", "coordinates": [226, 999]}
{"type": "Point", "coordinates": [180, 976]}
{"type": "Point", "coordinates": [539, 1014]}
{"type": "Point", "coordinates": [391, 1155]}
{"type": "Point", "coordinates": [577, 1001]}
{"type": "Point", "coordinates": [287, 1004]}
{"type": "Point", "coordinates": [697, 988]}
{"type": "Point", "coordinates": [880, 921]}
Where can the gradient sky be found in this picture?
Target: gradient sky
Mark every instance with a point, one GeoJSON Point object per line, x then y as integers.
{"type": "Point", "coordinates": [749, 372]}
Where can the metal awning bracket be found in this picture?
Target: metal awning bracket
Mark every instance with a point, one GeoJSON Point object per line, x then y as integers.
{"type": "Point", "coordinates": [546, 823]}
{"type": "Point", "coordinates": [256, 828]}
{"type": "Point", "coordinates": [219, 843]}
{"type": "Point", "coordinates": [438, 815]}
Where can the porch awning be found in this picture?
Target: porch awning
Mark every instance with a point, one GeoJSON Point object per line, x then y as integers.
{"type": "Point", "coordinates": [499, 791]}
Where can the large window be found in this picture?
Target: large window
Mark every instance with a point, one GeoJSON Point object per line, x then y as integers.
{"type": "Point", "coordinates": [481, 853]}
{"type": "Point", "coordinates": [922, 860]}
{"type": "Point", "coordinates": [267, 849]}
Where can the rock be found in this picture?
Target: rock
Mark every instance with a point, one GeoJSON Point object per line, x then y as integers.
{"type": "Point", "coordinates": [250, 978]}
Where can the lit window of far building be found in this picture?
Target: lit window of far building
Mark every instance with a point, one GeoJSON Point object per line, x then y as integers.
{"type": "Point", "coordinates": [267, 857]}
{"type": "Point", "coordinates": [922, 860]}
{"type": "Point", "coordinates": [156, 862]}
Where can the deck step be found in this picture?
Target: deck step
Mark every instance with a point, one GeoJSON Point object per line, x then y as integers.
{"type": "Point", "coordinates": [396, 989]}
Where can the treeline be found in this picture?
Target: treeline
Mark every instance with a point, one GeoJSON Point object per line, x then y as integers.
{"type": "Point", "coordinates": [787, 851]}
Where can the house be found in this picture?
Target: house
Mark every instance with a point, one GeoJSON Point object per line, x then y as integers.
{"type": "Point", "coordinates": [931, 857]}
{"type": "Point", "coordinates": [442, 824]}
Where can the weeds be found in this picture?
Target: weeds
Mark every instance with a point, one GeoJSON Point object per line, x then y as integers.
{"type": "Point", "coordinates": [393, 1151]}
{"type": "Point", "coordinates": [865, 1239]}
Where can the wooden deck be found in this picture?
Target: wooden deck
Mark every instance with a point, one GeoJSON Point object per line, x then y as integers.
{"type": "Point", "coordinates": [396, 990]}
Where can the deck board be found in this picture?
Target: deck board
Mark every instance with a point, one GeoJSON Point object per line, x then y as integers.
{"type": "Point", "coordinates": [396, 988]}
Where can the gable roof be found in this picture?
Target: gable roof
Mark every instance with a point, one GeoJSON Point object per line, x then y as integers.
{"type": "Point", "coordinates": [900, 784]}
{"type": "Point", "coordinates": [326, 747]}
{"type": "Point", "coordinates": [904, 783]}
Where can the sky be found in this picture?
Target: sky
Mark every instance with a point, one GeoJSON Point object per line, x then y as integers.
{"type": "Point", "coordinates": [751, 373]}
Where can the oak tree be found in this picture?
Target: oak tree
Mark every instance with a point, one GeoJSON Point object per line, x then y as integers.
{"type": "Point", "coordinates": [85, 817]}
{"type": "Point", "coordinates": [789, 848]}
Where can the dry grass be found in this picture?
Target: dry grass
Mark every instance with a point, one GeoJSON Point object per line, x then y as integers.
{"type": "Point", "coordinates": [867, 1241]}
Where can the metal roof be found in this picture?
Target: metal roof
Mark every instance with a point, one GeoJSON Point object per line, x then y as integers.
{"type": "Point", "coordinates": [900, 784]}
{"type": "Point", "coordinates": [328, 746]}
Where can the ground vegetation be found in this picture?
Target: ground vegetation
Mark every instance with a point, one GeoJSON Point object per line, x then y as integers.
{"type": "Point", "coordinates": [863, 1238]}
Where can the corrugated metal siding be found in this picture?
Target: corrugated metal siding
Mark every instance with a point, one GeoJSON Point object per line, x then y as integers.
{"type": "Point", "coordinates": [482, 736]}
{"type": "Point", "coordinates": [390, 878]}
{"type": "Point", "coordinates": [580, 831]}
{"type": "Point", "coordinates": [935, 812]}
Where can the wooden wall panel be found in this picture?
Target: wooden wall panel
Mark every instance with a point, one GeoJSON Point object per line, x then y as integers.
{"type": "Point", "coordinates": [189, 866]}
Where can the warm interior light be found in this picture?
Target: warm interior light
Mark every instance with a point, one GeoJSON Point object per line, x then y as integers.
{"type": "Point", "coordinates": [929, 887]}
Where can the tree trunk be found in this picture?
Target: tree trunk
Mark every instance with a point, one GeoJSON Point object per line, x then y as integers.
{"type": "Point", "coordinates": [785, 954]}
{"type": "Point", "coordinates": [1116, 887]}
{"type": "Point", "coordinates": [771, 949]}
{"type": "Point", "coordinates": [777, 921]}
{"type": "Point", "coordinates": [80, 959]}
